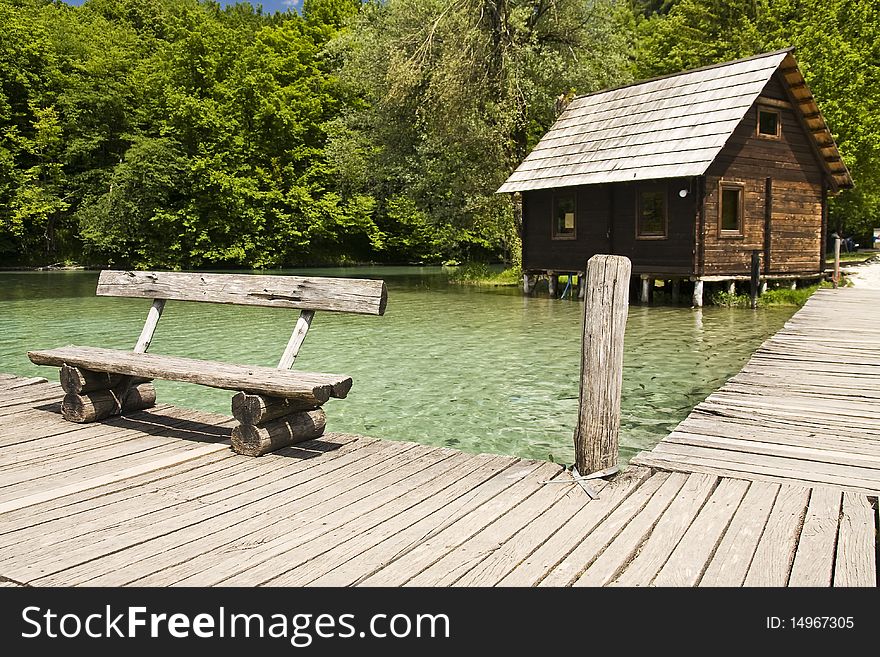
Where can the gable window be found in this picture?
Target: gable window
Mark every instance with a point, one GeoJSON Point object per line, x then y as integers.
{"type": "Point", "coordinates": [651, 214]}
{"type": "Point", "coordinates": [769, 124]}
{"type": "Point", "coordinates": [730, 219]}
{"type": "Point", "coordinates": [564, 217]}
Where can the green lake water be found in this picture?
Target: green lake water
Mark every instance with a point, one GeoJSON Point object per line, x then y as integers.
{"type": "Point", "coordinates": [483, 370]}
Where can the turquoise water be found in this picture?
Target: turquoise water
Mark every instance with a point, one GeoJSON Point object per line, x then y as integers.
{"type": "Point", "coordinates": [483, 370]}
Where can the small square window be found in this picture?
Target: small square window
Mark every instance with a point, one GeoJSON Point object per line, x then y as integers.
{"type": "Point", "coordinates": [652, 214]}
{"type": "Point", "coordinates": [731, 211]}
{"type": "Point", "coordinates": [768, 123]}
{"type": "Point", "coordinates": [564, 218]}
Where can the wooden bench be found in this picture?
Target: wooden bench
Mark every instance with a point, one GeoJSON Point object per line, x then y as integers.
{"type": "Point", "coordinates": [275, 407]}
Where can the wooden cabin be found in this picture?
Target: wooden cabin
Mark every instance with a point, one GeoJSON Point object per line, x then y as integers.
{"type": "Point", "coordinates": [687, 175]}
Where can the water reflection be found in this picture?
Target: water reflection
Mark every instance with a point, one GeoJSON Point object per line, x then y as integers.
{"type": "Point", "coordinates": [477, 369]}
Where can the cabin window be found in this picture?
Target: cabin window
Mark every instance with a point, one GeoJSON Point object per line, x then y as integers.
{"type": "Point", "coordinates": [731, 209]}
{"type": "Point", "coordinates": [769, 125]}
{"type": "Point", "coordinates": [651, 214]}
{"type": "Point", "coordinates": [564, 217]}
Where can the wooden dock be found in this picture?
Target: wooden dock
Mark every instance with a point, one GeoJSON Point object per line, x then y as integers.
{"type": "Point", "coordinates": [773, 481]}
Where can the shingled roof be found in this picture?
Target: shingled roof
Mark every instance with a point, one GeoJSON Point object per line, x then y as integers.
{"type": "Point", "coordinates": [667, 127]}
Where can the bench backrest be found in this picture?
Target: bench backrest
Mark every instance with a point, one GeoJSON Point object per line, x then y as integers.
{"type": "Point", "coordinates": [350, 295]}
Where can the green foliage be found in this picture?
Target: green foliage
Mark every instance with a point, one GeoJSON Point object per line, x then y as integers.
{"type": "Point", "coordinates": [838, 49]}
{"type": "Point", "coordinates": [479, 273]}
{"type": "Point", "coordinates": [782, 296]}
{"type": "Point", "coordinates": [178, 133]}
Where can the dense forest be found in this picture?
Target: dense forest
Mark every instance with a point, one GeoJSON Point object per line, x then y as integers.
{"type": "Point", "coordinates": [181, 133]}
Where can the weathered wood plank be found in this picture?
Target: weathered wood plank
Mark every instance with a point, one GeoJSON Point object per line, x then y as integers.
{"type": "Point", "coordinates": [774, 554]}
{"type": "Point", "coordinates": [689, 558]}
{"type": "Point", "coordinates": [300, 292]}
{"type": "Point", "coordinates": [615, 556]}
{"type": "Point", "coordinates": [306, 387]}
{"type": "Point", "coordinates": [577, 560]}
{"type": "Point", "coordinates": [731, 560]}
{"type": "Point", "coordinates": [856, 563]}
{"type": "Point", "coordinates": [814, 559]}
{"type": "Point", "coordinates": [394, 522]}
{"type": "Point", "coordinates": [669, 531]}
{"type": "Point", "coordinates": [445, 539]}
{"type": "Point", "coordinates": [574, 529]}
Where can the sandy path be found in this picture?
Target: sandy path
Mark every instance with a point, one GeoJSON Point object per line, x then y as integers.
{"type": "Point", "coordinates": [866, 276]}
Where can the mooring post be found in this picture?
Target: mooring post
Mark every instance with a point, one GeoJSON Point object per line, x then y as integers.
{"type": "Point", "coordinates": [606, 305]}
{"type": "Point", "coordinates": [698, 294]}
{"type": "Point", "coordinates": [645, 292]}
{"type": "Point", "coordinates": [676, 290]}
{"type": "Point", "coordinates": [836, 279]}
{"type": "Point", "coordinates": [552, 283]}
{"type": "Point", "coordinates": [756, 276]}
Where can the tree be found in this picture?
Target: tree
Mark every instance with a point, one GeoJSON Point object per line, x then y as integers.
{"type": "Point", "coordinates": [454, 94]}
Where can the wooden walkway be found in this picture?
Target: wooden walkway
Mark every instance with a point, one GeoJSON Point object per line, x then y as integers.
{"type": "Point", "coordinates": [772, 481]}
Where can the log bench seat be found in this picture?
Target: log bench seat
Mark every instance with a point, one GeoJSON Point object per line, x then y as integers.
{"type": "Point", "coordinates": [275, 407]}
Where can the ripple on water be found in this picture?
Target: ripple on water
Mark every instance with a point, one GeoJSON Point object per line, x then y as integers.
{"type": "Point", "coordinates": [476, 369]}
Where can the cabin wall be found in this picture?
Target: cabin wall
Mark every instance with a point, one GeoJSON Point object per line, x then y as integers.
{"type": "Point", "coordinates": [797, 182]}
{"type": "Point", "coordinates": [542, 252]}
{"type": "Point", "coordinates": [606, 223]}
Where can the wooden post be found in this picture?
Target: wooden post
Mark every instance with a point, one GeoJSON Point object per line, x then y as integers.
{"type": "Point", "coordinates": [698, 294]}
{"type": "Point", "coordinates": [836, 279]}
{"type": "Point", "coordinates": [582, 287]}
{"type": "Point", "coordinates": [645, 293]}
{"type": "Point", "coordinates": [526, 288]}
{"type": "Point", "coordinates": [793, 285]}
{"type": "Point", "coordinates": [756, 276]}
{"type": "Point", "coordinates": [676, 290]}
{"type": "Point", "coordinates": [763, 286]}
{"type": "Point", "coordinates": [731, 287]}
{"type": "Point", "coordinates": [605, 309]}
{"type": "Point", "coordinates": [552, 283]}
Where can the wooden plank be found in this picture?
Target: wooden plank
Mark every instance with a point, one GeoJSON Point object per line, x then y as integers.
{"type": "Point", "coordinates": [398, 537]}
{"type": "Point", "coordinates": [577, 560]}
{"type": "Point", "coordinates": [457, 563]}
{"type": "Point", "coordinates": [856, 563]}
{"type": "Point", "coordinates": [731, 560]}
{"type": "Point", "coordinates": [774, 554]}
{"type": "Point", "coordinates": [146, 336]}
{"type": "Point", "coordinates": [296, 339]}
{"type": "Point", "coordinates": [814, 559]}
{"type": "Point", "coordinates": [573, 530]}
{"type": "Point", "coordinates": [255, 553]}
{"type": "Point", "coordinates": [689, 558]}
{"type": "Point", "coordinates": [103, 480]}
{"type": "Point", "coordinates": [300, 292]}
{"type": "Point", "coordinates": [79, 509]}
{"type": "Point", "coordinates": [437, 498]}
{"type": "Point", "coordinates": [740, 471]}
{"type": "Point", "coordinates": [306, 387]}
{"type": "Point", "coordinates": [669, 531]}
{"type": "Point", "coordinates": [445, 539]}
{"type": "Point", "coordinates": [250, 494]}
{"type": "Point", "coordinates": [187, 520]}
{"type": "Point", "coordinates": [616, 555]}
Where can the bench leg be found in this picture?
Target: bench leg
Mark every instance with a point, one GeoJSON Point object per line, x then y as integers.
{"type": "Point", "coordinates": [270, 423]}
{"type": "Point", "coordinates": [297, 427]}
{"type": "Point", "coordinates": [93, 396]}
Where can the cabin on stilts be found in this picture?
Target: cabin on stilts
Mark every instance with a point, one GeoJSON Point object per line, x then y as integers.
{"type": "Point", "coordinates": [698, 177]}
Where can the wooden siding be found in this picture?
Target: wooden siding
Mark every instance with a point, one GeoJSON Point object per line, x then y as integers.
{"type": "Point", "coordinates": [595, 234]}
{"type": "Point", "coordinates": [797, 181]}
